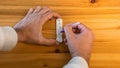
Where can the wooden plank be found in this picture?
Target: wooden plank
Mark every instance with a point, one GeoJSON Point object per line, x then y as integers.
{"type": "Point", "coordinates": [33, 60]}
{"type": "Point", "coordinates": [55, 60]}
{"type": "Point", "coordinates": [69, 10]}
{"type": "Point", "coordinates": [103, 17]}
{"type": "Point", "coordinates": [82, 3]}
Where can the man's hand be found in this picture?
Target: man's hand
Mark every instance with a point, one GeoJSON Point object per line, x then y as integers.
{"type": "Point", "coordinates": [29, 29]}
{"type": "Point", "coordinates": [79, 40]}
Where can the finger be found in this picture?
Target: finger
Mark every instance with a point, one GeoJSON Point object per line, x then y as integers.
{"type": "Point", "coordinates": [30, 11]}
{"type": "Point", "coordinates": [50, 15]}
{"type": "Point", "coordinates": [44, 10]}
{"type": "Point", "coordinates": [83, 28]}
{"type": "Point", "coordinates": [38, 8]}
{"type": "Point", "coordinates": [68, 31]}
{"type": "Point", "coordinates": [46, 41]}
{"type": "Point", "coordinates": [74, 25]}
{"type": "Point", "coordinates": [68, 28]}
{"type": "Point", "coordinates": [74, 30]}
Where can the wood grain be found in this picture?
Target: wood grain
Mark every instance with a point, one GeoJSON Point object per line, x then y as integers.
{"type": "Point", "coordinates": [103, 17]}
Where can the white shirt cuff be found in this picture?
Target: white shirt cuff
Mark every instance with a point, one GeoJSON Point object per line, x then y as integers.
{"type": "Point", "coordinates": [8, 38]}
{"type": "Point", "coordinates": [77, 62]}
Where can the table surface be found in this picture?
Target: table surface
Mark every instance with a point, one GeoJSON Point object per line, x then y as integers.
{"type": "Point", "coordinates": [103, 17]}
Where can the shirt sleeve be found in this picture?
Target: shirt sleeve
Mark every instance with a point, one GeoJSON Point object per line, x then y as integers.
{"type": "Point", "coordinates": [77, 62]}
{"type": "Point", "coordinates": [8, 38]}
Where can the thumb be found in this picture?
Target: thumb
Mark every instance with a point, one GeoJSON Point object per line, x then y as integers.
{"type": "Point", "coordinates": [68, 31]}
{"type": "Point", "coordinates": [46, 41]}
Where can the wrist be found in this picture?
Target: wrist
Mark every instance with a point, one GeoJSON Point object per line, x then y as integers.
{"type": "Point", "coordinates": [20, 35]}
{"type": "Point", "coordinates": [85, 56]}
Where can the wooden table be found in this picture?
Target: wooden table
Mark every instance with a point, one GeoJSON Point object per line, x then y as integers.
{"type": "Point", "coordinates": [103, 17]}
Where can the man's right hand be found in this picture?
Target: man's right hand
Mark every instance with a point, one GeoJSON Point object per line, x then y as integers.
{"type": "Point", "coordinates": [79, 40]}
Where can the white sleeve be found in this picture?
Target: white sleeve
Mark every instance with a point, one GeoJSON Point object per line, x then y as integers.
{"type": "Point", "coordinates": [8, 38]}
{"type": "Point", "coordinates": [77, 62]}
